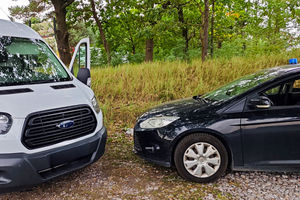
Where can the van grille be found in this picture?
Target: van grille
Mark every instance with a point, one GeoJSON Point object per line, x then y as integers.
{"type": "Point", "coordinates": [41, 128]}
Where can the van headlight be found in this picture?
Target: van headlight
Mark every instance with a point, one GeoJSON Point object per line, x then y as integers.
{"type": "Point", "coordinates": [158, 121]}
{"type": "Point", "coordinates": [95, 104]}
{"type": "Point", "coordinates": [5, 123]}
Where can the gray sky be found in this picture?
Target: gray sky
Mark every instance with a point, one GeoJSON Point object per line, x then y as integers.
{"type": "Point", "coordinates": [5, 4]}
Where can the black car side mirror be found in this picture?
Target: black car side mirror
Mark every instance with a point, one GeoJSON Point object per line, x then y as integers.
{"type": "Point", "coordinates": [84, 75]}
{"type": "Point", "coordinates": [261, 102]}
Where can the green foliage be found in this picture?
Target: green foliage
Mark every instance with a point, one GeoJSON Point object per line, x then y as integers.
{"type": "Point", "coordinates": [241, 28]}
{"type": "Point", "coordinates": [32, 10]}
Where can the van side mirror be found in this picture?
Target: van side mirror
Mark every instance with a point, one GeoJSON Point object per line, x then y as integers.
{"type": "Point", "coordinates": [260, 102]}
{"type": "Point", "coordinates": [84, 75]}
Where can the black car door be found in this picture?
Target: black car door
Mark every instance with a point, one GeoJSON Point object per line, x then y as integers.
{"type": "Point", "coordinates": [271, 136]}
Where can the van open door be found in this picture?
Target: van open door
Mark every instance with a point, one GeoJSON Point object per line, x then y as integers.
{"type": "Point", "coordinates": [80, 65]}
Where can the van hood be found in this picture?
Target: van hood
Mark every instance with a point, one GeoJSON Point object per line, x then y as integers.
{"type": "Point", "coordinates": [41, 97]}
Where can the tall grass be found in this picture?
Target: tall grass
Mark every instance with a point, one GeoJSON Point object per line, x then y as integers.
{"type": "Point", "coordinates": [127, 91]}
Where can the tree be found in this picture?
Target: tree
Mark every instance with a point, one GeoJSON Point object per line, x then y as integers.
{"type": "Point", "coordinates": [145, 30]}
{"type": "Point", "coordinates": [32, 10]}
{"type": "Point", "coordinates": [150, 11]}
{"type": "Point", "coordinates": [212, 28]}
{"type": "Point", "coordinates": [204, 29]}
{"type": "Point", "coordinates": [100, 27]}
{"type": "Point", "coordinates": [181, 7]}
{"type": "Point", "coordinates": [61, 32]}
{"type": "Point", "coordinates": [40, 9]}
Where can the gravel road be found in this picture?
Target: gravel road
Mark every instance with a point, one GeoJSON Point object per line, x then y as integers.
{"type": "Point", "coordinates": [260, 185]}
{"type": "Point", "coordinates": [119, 174]}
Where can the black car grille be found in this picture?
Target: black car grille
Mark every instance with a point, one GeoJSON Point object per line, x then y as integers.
{"type": "Point", "coordinates": [41, 128]}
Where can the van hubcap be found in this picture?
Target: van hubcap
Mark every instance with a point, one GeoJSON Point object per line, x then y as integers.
{"type": "Point", "coordinates": [202, 160]}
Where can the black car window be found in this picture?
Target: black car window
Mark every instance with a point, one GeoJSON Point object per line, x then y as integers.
{"type": "Point", "coordinates": [296, 86]}
{"type": "Point", "coordinates": [273, 91]}
{"type": "Point", "coordinates": [284, 94]}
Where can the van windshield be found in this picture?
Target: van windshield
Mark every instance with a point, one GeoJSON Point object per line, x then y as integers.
{"type": "Point", "coordinates": [28, 61]}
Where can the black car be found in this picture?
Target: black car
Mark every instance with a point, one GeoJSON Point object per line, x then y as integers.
{"type": "Point", "coordinates": [250, 124]}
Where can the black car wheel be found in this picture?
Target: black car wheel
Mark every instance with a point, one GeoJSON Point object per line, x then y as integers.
{"type": "Point", "coordinates": [201, 158]}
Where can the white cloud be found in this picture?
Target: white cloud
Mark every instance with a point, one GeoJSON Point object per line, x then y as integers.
{"type": "Point", "coordinates": [5, 4]}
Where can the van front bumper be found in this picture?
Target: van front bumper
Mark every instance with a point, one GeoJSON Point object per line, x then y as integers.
{"type": "Point", "coordinates": [20, 171]}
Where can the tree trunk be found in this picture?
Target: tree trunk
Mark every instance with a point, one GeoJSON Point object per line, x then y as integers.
{"type": "Point", "coordinates": [204, 31]}
{"type": "Point", "coordinates": [61, 33]}
{"type": "Point", "coordinates": [133, 49]}
{"type": "Point", "coordinates": [219, 44]}
{"type": "Point", "coordinates": [185, 32]}
{"type": "Point", "coordinates": [212, 29]}
{"type": "Point", "coordinates": [102, 34]}
{"type": "Point", "coordinates": [149, 50]}
{"type": "Point", "coordinates": [132, 43]}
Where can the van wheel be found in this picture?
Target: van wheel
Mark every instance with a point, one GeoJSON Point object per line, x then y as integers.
{"type": "Point", "coordinates": [201, 158]}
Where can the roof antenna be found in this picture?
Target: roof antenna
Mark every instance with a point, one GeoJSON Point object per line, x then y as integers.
{"type": "Point", "coordinates": [9, 17]}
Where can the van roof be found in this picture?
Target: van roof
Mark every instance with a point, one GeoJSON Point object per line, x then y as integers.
{"type": "Point", "coordinates": [14, 29]}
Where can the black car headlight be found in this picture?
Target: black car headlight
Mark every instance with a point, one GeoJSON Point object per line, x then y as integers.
{"type": "Point", "coordinates": [95, 104]}
{"type": "Point", "coordinates": [158, 121]}
{"type": "Point", "coordinates": [5, 123]}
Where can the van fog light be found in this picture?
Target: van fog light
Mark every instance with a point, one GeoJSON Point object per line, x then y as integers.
{"type": "Point", "coordinates": [5, 123]}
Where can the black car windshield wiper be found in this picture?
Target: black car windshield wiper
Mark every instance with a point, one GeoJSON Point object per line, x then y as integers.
{"type": "Point", "coordinates": [200, 98]}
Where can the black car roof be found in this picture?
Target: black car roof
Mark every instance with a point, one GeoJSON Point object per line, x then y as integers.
{"type": "Point", "coordinates": [284, 70]}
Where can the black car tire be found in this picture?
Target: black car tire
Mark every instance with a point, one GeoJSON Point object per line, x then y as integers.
{"type": "Point", "coordinates": [195, 138]}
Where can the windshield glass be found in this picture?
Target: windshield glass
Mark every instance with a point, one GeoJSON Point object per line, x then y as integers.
{"type": "Point", "coordinates": [28, 61]}
{"type": "Point", "coordinates": [240, 86]}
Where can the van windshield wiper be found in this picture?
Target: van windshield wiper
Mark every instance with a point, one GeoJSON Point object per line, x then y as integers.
{"type": "Point", "coordinates": [33, 82]}
{"type": "Point", "coordinates": [43, 81]}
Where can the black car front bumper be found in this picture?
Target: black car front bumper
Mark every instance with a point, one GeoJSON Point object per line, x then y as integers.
{"type": "Point", "coordinates": [20, 171]}
{"type": "Point", "coordinates": [151, 146]}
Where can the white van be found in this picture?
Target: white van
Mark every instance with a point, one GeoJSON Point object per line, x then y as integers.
{"type": "Point", "coordinates": [50, 121]}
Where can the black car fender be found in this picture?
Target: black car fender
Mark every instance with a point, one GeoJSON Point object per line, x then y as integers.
{"type": "Point", "coordinates": [214, 133]}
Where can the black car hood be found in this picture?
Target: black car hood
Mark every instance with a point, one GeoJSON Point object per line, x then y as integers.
{"type": "Point", "coordinates": [180, 107]}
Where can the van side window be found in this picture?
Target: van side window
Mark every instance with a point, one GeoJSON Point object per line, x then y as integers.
{"type": "Point", "coordinates": [80, 59]}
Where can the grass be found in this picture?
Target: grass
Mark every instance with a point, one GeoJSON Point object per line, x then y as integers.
{"type": "Point", "coordinates": [126, 91]}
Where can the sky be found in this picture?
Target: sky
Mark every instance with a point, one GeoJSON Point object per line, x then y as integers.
{"type": "Point", "coordinates": [5, 4]}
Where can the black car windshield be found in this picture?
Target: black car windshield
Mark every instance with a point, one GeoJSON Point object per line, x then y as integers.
{"type": "Point", "coordinates": [28, 61]}
{"type": "Point", "coordinates": [240, 86]}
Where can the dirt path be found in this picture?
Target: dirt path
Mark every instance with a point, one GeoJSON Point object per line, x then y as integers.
{"type": "Point", "coordinates": [121, 175]}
